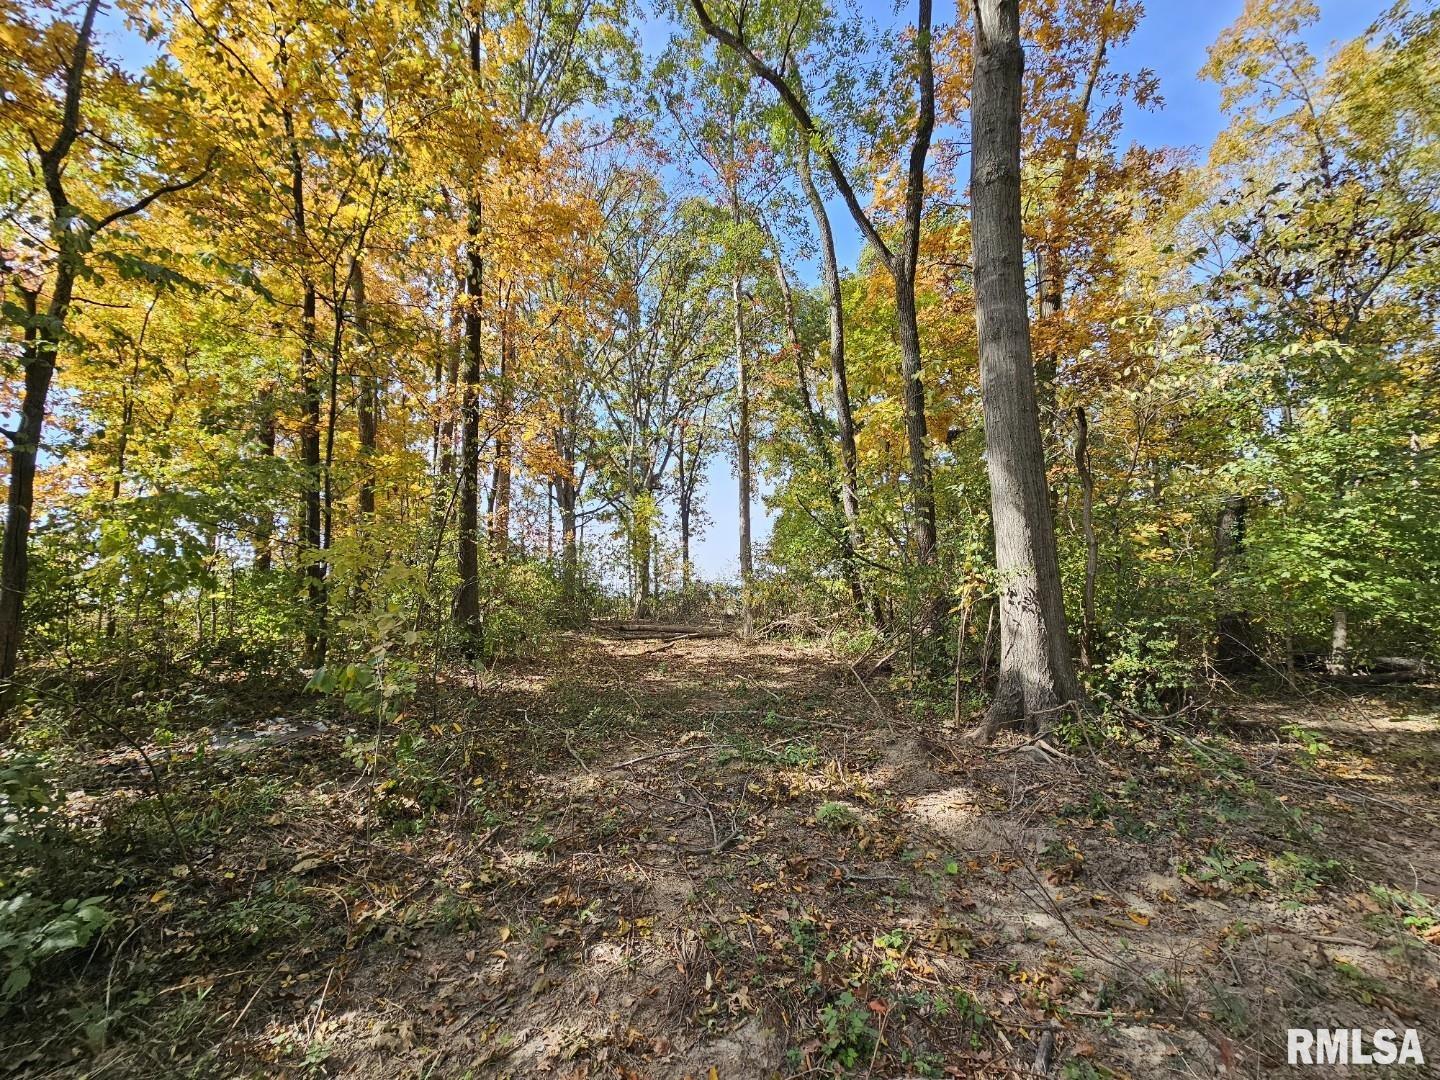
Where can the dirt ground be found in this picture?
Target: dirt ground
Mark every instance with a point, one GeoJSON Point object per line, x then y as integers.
{"type": "Point", "coordinates": [700, 858]}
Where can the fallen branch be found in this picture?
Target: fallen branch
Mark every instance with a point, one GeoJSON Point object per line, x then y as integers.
{"type": "Point", "coordinates": [663, 753]}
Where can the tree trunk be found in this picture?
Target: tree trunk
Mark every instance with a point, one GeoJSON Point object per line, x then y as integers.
{"type": "Point", "coordinates": [1087, 527]}
{"type": "Point", "coordinates": [504, 441]}
{"type": "Point", "coordinates": [1235, 650]}
{"type": "Point", "coordinates": [640, 540]}
{"type": "Point", "coordinates": [916, 436]}
{"type": "Point", "coordinates": [682, 498]}
{"type": "Point", "coordinates": [1037, 677]}
{"type": "Point", "coordinates": [566, 500]}
{"type": "Point", "coordinates": [311, 531]}
{"type": "Point", "coordinates": [1050, 294]}
{"type": "Point", "coordinates": [742, 439]}
{"type": "Point", "coordinates": [1338, 663]}
{"type": "Point", "coordinates": [467, 599]}
{"type": "Point", "coordinates": [839, 382]}
{"type": "Point", "coordinates": [40, 353]}
{"type": "Point", "coordinates": [369, 398]}
{"type": "Point", "coordinates": [815, 422]}
{"type": "Point", "coordinates": [265, 526]}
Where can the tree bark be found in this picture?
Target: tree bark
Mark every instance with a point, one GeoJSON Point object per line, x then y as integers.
{"type": "Point", "coordinates": [1037, 677]}
{"type": "Point", "coordinates": [311, 532]}
{"type": "Point", "coordinates": [312, 395]}
{"type": "Point", "coordinates": [1338, 663]}
{"type": "Point", "coordinates": [265, 527]}
{"type": "Point", "coordinates": [682, 498]}
{"type": "Point", "coordinates": [39, 356]}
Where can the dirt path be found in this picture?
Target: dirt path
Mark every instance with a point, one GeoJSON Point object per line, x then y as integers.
{"type": "Point", "coordinates": [702, 859]}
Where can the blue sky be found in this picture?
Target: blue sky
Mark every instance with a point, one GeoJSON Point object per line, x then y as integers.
{"type": "Point", "coordinates": [1171, 40]}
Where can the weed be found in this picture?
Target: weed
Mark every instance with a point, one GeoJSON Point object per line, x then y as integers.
{"type": "Point", "coordinates": [838, 817]}
{"type": "Point", "coordinates": [846, 1037]}
{"type": "Point", "coordinates": [33, 931]}
{"type": "Point", "coordinates": [1305, 875]}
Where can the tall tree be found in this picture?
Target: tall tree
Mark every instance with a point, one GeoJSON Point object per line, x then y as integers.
{"type": "Point", "coordinates": [1037, 676]}
{"type": "Point", "coordinates": [52, 80]}
{"type": "Point", "coordinates": [899, 259]}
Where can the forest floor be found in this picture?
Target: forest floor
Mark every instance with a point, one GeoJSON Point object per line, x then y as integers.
{"type": "Point", "coordinates": [701, 858]}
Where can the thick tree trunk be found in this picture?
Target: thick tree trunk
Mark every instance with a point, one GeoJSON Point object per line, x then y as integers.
{"type": "Point", "coordinates": [1037, 677]}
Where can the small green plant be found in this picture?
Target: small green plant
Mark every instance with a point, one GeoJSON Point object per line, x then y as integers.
{"type": "Point", "coordinates": [1312, 747]}
{"type": "Point", "coordinates": [1409, 909]}
{"type": "Point", "coordinates": [800, 754]}
{"type": "Point", "coordinates": [1220, 867]}
{"type": "Point", "coordinates": [967, 1012]}
{"type": "Point", "coordinates": [1304, 875]}
{"type": "Point", "coordinates": [846, 1037]}
{"type": "Point", "coordinates": [33, 931]}
{"type": "Point", "coordinates": [838, 817]}
{"type": "Point", "coordinates": [29, 801]}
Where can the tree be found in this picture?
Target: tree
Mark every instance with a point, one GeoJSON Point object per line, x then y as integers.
{"type": "Point", "coordinates": [1037, 677]}
{"type": "Point", "coordinates": [901, 259]}
{"type": "Point", "coordinates": [56, 86]}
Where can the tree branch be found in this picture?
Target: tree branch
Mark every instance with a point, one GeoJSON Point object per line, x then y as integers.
{"type": "Point", "coordinates": [808, 128]}
{"type": "Point", "coordinates": [158, 193]}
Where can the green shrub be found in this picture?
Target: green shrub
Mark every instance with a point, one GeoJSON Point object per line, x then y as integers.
{"type": "Point", "coordinates": [33, 931]}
